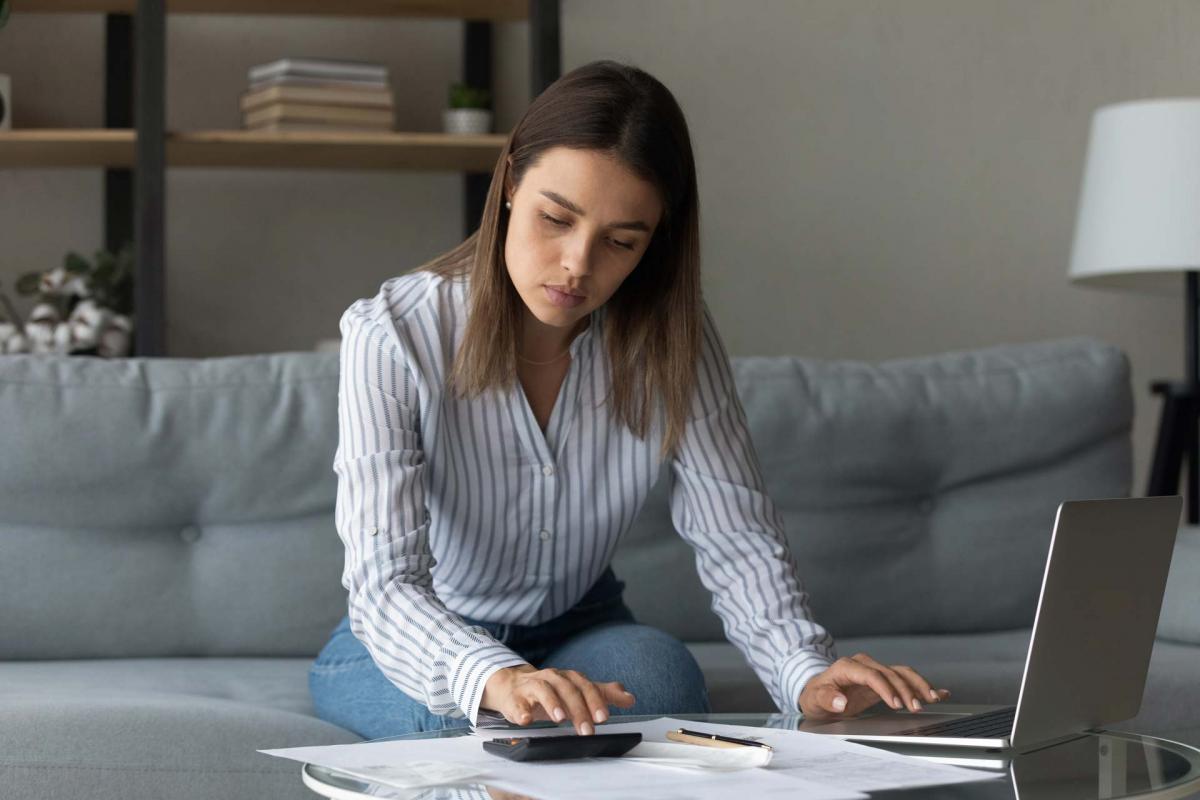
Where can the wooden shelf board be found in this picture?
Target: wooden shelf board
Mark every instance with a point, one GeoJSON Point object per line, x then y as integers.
{"type": "Point", "coordinates": [498, 10]}
{"type": "Point", "coordinates": [255, 149]}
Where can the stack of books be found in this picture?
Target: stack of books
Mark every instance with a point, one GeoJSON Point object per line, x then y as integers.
{"type": "Point", "coordinates": [308, 94]}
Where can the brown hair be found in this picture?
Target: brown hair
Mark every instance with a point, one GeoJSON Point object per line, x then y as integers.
{"type": "Point", "coordinates": [652, 323]}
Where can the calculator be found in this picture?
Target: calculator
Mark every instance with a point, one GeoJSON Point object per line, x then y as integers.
{"type": "Point", "coordinates": [556, 748]}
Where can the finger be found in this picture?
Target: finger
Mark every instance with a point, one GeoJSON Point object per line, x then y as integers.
{"type": "Point", "coordinates": [542, 692]}
{"type": "Point", "coordinates": [898, 683]}
{"type": "Point", "coordinates": [576, 706]}
{"type": "Point", "coordinates": [922, 686]}
{"type": "Point", "coordinates": [591, 695]}
{"type": "Point", "coordinates": [519, 712]}
{"type": "Point", "coordinates": [616, 694]}
{"type": "Point", "coordinates": [831, 699]}
{"type": "Point", "coordinates": [854, 672]}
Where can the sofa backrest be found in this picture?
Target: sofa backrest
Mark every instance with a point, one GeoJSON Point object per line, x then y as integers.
{"type": "Point", "coordinates": [172, 507]}
{"type": "Point", "coordinates": [918, 495]}
{"type": "Point", "coordinates": [168, 507]}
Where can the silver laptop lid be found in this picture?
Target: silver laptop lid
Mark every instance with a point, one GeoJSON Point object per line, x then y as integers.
{"type": "Point", "coordinates": [1096, 616]}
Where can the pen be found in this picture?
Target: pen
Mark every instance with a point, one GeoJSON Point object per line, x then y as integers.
{"type": "Point", "coordinates": [711, 739]}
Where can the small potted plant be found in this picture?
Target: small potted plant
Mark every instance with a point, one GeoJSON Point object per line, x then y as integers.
{"type": "Point", "coordinates": [469, 110]}
{"type": "Point", "coordinates": [80, 308]}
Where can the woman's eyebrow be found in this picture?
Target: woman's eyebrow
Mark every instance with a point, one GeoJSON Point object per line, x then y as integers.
{"type": "Point", "coordinates": [633, 225]}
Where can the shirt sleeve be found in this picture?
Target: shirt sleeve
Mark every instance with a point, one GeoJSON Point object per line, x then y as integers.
{"type": "Point", "coordinates": [720, 507]}
{"type": "Point", "coordinates": [427, 651]}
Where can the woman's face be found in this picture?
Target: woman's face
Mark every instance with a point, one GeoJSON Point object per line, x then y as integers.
{"type": "Point", "coordinates": [579, 224]}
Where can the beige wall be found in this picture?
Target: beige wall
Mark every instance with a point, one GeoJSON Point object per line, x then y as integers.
{"type": "Point", "coordinates": [878, 179]}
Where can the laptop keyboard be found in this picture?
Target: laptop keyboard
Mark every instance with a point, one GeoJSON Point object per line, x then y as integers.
{"type": "Point", "coordinates": [988, 725]}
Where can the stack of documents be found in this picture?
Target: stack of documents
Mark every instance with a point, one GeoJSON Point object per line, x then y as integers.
{"type": "Point", "coordinates": [821, 767]}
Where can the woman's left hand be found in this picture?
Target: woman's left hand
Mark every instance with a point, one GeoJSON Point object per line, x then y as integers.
{"type": "Point", "coordinates": [852, 685]}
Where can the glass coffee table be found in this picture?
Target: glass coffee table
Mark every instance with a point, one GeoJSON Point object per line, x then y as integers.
{"type": "Point", "coordinates": [1104, 765]}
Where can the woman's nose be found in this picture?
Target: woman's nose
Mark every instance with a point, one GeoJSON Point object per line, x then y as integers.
{"type": "Point", "coordinates": [577, 258]}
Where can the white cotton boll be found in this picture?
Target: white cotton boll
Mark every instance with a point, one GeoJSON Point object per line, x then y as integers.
{"type": "Point", "coordinates": [121, 321]}
{"type": "Point", "coordinates": [62, 337]}
{"type": "Point", "coordinates": [83, 309]}
{"type": "Point", "coordinates": [78, 287]}
{"type": "Point", "coordinates": [92, 315]}
{"type": "Point", "coordinates": [17, 343]}
{"type": "Point", "coordinates": [83, 335]}
{"type": "Point", "coordinates": [40, 333]}
{"type": "Point", "coordinates": [54, 281]}
{"type": "Point", "coordinates": [43, 313]}
{"type": "Point", "coordinates": [113, 343]}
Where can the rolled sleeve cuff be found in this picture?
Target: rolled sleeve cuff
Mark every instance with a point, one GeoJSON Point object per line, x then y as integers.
{"type": "Point", "coordinates": [795, 673]}
{"type": "Point", "coordinates": [470, 673]}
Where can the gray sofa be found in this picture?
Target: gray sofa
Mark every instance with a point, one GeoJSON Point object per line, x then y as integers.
{"type": "Point", "coordinates": [169, 567]}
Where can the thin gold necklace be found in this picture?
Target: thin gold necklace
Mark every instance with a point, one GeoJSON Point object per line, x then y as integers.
{"type": "Point", "coordinates": [544, 363]}
{"type": "Point", "coordinates": [551, 361]}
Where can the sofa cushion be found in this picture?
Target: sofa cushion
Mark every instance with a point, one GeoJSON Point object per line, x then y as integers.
{"type": "Point", "coordinates": [168, 507]}
{"type": "Point", "coordinates": [918, 495]}
{"type": "Point", "coordinates": [179, 728]}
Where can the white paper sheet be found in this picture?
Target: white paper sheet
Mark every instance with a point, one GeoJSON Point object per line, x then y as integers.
{"type": "Point", "coordinates": [831, 762]}
{"type": "Point", "coordinates": [819, 767]}
{"type": "Point", "coordinates": [580, 780]}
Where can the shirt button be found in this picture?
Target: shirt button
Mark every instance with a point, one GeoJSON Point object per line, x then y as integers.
{"type": "Point", "coordinates": [545, 535]}
{"type": "Point", "coordinates": [547, 470]}
{"type": "Point", "coordinates": [371, 531]}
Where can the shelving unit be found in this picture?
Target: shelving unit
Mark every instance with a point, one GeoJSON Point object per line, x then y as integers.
{"type": "Point", "coordinates": [107, 148]}
{"type": "Point", "coordinates": [135, 149]}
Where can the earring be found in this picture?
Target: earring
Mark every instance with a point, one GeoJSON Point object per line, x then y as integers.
{"type": "Point", "coordinates": [508, 205]}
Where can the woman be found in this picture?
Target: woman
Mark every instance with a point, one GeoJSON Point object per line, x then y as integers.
{"type": "Point", "coordinates": [480, 513]}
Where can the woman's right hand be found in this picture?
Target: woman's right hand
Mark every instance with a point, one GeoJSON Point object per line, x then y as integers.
{"type": "Point", "coordinates": [525, 694]}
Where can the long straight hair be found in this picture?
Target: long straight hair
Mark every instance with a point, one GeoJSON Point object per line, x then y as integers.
{"type": "Point", "coordinates": [653, 320]}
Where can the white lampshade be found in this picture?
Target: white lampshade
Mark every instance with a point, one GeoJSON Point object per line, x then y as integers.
{"type": "Point", "coordinates": [1138, 222]}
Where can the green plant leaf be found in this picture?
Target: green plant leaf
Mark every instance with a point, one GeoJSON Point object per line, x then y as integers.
{"type": "Point", "coordinates": [76, 264]}
{"type": "Point", "coordinates": [3, 13]}
{"type": "Point", "coordinates": [28, 283]}
{"type": "Point", "coordinates": [464, 96]}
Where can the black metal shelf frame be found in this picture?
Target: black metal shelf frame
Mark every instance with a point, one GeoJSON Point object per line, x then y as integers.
{"type": "Point", "coordinates": [135, 96]}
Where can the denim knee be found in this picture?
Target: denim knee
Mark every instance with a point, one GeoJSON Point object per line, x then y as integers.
{"type": "Point", "coordinates": [349, 690]}
{"type": "Point", "coordinates": [656, 667]}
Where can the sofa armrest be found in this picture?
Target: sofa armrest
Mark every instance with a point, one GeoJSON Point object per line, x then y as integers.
{"type": "Point", "coordinates": [1180, 619]}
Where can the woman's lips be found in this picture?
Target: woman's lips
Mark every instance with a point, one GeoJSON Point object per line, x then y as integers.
{"type": "Point", "coordinates": [562, 299]}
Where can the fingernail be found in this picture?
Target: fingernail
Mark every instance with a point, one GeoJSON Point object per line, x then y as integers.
{"type": "Point", "coordinates": [588, 730]}
{"type": "Point", "coordinates": [599, 715]}
{"type": "Point", "coordinates": [896, 702]}
{"type": "Point", "coordinates": [933, 695]}
{"type": "Point", "coordinates": [839, 703]}
{"type": "Point", "coordinates": [916, 704]}
{"type": "Point", "coordinates": [558, 715]}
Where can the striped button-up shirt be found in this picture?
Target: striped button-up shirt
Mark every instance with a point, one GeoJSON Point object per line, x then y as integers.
{"type": "Point", "coordinates": [451, 507]}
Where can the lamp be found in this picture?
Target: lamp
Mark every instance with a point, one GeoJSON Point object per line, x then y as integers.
{"type": "Point", "coordinates": [1138, 227]}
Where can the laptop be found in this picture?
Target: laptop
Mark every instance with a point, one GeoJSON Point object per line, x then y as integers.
{"type": "Point", "coordinates": [1096, 619]}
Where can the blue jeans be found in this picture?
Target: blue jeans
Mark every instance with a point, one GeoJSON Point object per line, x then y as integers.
{"type": "Point", "coordinates": [598, 637]}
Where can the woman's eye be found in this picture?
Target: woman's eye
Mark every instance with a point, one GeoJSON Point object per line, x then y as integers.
{"type": "Point", "coordinates": [558, 223]}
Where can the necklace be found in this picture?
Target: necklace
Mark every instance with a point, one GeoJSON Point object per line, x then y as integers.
{"type": "Point", "coordinates": [551, 361]}
{"type": "Point", "coordinates": [543, 363]}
